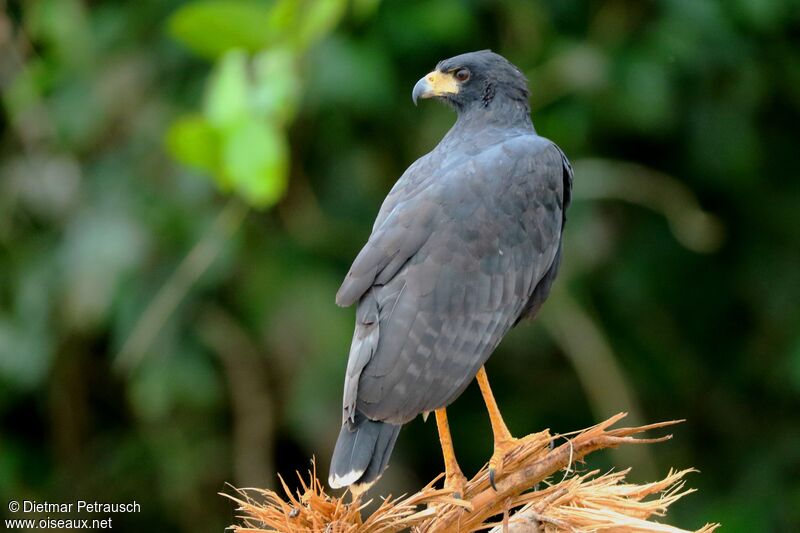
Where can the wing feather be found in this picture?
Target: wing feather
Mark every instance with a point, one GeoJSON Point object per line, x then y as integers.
{"type": "Point", "coordinates": [451, 266]}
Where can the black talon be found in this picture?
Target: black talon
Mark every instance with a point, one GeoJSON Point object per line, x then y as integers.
{"type": "Point", "coordinates": [491, 479]}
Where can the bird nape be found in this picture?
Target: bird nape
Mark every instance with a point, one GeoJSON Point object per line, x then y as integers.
{"type": "Point", "coordinates": [466, 244]}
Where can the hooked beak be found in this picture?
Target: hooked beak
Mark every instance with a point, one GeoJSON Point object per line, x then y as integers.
{"type": "Point", "coordinates": [434, 83]}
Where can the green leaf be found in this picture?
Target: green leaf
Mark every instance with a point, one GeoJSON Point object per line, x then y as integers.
{"type": "Point", "coordinates": [192, 141]}
{"type": "Point", "coordinates": [319, 18]}
{"type": "Point", "coordinates": [364, 9]}
{"type": "Point", "coordinates": [255, 161]}
{"type": "Point", "coordinates": [283, 17]}
{"type": "Point", "coordinates": [64, 26]}
{"type": "Point", "coordinates": [27, 87]}
{"type": "Point", "coordinates": [277, 85]}
{"type": "Point", "coordinates": [212, 27]}
{"type": "Point", "coordinates": [227, 97]}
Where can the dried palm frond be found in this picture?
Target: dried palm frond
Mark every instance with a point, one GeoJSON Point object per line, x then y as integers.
{"type": "Point", "coordinates": [568, 502]}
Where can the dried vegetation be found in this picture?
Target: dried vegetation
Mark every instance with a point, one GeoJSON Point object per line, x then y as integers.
{"type": "Point", "coordinates": [540, 490]}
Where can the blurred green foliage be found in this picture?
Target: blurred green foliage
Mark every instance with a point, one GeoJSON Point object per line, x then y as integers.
{"type": "Point", "coordinates": [240, 137]}
{"type": "Point", "coordinates": [158, 337]}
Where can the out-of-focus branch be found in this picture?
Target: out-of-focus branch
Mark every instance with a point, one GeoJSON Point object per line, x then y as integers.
{"type": "Point", "coordinates": [602, 179]}
{"type": "Point", "coordinates": [175, 289]}
{"type": "Point", "coordinates": [251, 403]}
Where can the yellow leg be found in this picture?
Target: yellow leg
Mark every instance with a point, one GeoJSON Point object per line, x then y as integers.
{"type": "Point", "coordinates": [453, 477]}
{"type": "Point", "coordinates": [503, 440]}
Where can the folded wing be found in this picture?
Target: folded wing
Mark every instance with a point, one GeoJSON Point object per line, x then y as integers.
{"type": "Point", "coordinates": [447, 272]}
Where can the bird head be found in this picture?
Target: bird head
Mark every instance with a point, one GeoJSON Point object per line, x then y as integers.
{"type": "Point", "coordinates": [473, 80]}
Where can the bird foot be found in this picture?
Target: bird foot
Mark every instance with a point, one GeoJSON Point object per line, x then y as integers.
{"type": "Point", "coordinates": [455, 482]}
{"type": "Point", "coordinates": [496, 462]}
{"type": "Point", "coordinates": [501, 449]}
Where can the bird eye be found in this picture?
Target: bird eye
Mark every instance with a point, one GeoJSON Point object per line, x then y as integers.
{"type": "Point", "coordinates": [462, 74]}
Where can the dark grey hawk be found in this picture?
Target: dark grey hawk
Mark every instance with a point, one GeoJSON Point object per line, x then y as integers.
{"type": "Point", "coordinates": [466, 244]}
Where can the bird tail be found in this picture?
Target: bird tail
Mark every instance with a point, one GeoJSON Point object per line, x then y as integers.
{"type": "Point", "coordinates": [362, 452]}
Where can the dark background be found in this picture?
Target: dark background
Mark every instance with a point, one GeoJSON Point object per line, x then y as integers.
{"type": "Point", "coordinates": [184, 185]}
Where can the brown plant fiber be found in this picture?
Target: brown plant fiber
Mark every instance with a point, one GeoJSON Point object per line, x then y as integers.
{"type": "Point", "coordinates": [539, 491]}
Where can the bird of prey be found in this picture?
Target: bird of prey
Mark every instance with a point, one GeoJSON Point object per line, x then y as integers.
{"type": "Point", "coordinates": [466, 244]}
